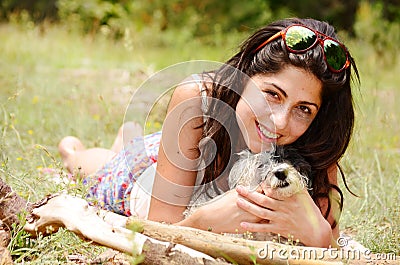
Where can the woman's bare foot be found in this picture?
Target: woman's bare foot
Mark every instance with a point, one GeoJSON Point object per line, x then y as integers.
{"type": "Point", "coordinates": [67, 147]}
{"type": "Point", "coordinates": [87, 161]}
{"type": "Point", "coordinates": [81, 161]}
{"type": "Point", "coordinates": [126, 132]}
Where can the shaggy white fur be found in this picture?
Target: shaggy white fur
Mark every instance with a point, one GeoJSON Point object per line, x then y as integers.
{"type": "Point", "coordinates": [252, 170]}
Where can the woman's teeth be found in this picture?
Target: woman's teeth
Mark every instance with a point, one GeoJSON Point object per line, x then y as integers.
{"type": "Point", "coordinates": [267, 133]}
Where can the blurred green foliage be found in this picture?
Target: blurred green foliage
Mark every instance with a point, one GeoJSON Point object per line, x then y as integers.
{"type": "Point", "coordinates": [200, 17]}
{"type": "Point", "coordinates": [162, 23]}
{"type": "Point", "coordinates": [92, 16]}
{"type": "Point", "coordinates": [173, 22]}
{"type": "Point", "coordinates": [373, 28]}
{"type": "Point", "coordinates": [38, 10]}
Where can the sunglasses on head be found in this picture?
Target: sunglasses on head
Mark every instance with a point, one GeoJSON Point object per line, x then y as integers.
{"type": "Point", "coordinates": [299, 39]}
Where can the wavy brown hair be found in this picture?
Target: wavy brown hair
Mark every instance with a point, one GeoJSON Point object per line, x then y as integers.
{"type": "Point", "coordinates": [328, 136]}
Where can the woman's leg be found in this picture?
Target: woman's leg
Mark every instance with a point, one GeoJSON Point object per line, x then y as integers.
{"type": "Point", "coordinates": [126, 132]}
{"type": "Point", "coordinates": [76, 157]}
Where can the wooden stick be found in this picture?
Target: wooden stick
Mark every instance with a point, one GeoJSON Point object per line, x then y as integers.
{"type": "Point", "coordinates": [237, 250]}
{"type": "Point", "coordinates": [77, 216]}
{"type": "Point", "coordinates": [170, 244]}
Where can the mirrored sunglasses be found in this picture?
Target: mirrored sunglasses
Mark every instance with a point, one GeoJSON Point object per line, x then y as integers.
{"type": "Point", "coordinates": [299, 39]}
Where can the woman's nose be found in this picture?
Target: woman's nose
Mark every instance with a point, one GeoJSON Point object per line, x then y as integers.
{"type": "Point", "coordinates": [280, 117]}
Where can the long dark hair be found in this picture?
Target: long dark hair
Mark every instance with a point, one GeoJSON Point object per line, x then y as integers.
{"type": "Point", "coordinates": [328, 136]}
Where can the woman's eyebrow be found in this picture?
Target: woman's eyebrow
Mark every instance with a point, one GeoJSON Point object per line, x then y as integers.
{"type": "Point", "coordinates": [285, 95]}
{"type": "Point", "coordinates": [277, 87]}
{"type": "Point", "coordinates": [309, 103]}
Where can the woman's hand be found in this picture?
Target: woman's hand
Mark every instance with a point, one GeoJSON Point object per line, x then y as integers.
{"type": "Point", "coordinates": [297, 216]}
{"type": "Point", "coordinates": [221, 215]}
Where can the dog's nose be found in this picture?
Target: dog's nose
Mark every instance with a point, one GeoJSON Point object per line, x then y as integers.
{"type": "Point", "coordinates": [280, 174]}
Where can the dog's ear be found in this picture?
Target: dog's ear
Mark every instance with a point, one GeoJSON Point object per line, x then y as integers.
{"type": "Point", "coordinates": [292, 156]}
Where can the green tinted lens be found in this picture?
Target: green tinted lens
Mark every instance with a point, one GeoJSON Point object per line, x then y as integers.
{"type": "Point", "coordinates": [335, 54]}
{"type": "Point", "coordinates": [299, 38]}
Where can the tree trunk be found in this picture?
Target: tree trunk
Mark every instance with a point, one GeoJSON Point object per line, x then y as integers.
{"type": "Point", "coordinates": [5, 258]}
{"type": "Point", "coordinates": [10, 205]}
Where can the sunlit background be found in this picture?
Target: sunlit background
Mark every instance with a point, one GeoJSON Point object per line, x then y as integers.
{"type": "Point", "coordinates": [70, 67]}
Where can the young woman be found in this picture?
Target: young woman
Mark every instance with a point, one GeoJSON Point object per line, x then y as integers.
{"type": "Point", "coordinates": [288, 85]}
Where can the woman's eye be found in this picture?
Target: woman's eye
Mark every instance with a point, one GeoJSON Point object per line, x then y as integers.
{"type": "Point", "coordinates": [305, 109]}
{"type": "Point", "coordinates": [304, 112]}
{"type": "Point", "coordinates": [272, 94]}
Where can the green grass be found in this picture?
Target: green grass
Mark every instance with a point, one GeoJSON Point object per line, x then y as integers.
{"type": "Point", "coordinates": [371, 164]}
{"type": "Point", "coordinates": [55, 83]}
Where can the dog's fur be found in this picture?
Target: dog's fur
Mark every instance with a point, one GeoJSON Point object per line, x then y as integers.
{"type": "Point", "coordinates": [282, 169]}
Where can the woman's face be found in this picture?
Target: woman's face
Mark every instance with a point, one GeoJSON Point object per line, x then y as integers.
{"type": "Point", "coordinates": [278, 108]}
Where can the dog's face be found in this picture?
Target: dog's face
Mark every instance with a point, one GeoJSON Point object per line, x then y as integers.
{"type": "Point", "coordinates": [273, 170]}
{"type": "Point", "coordinates": [282, 177]}
{"type": "Point", "coordinates": [259, 171]}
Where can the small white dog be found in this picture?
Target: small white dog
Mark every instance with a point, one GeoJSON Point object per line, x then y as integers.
{"type": "Point", "coordinates": [282, 169]}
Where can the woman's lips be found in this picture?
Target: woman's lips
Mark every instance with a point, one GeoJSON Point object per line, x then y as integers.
{"type": "Point", "coordinates": [265, 134]}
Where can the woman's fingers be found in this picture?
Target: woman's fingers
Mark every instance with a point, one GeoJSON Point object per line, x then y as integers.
{"type": "Point", "coordinates": [285, 216]}
{"type": "Point", "coordinates": [258, 198]}
{"type": "Point", "coordinates": [258, 227]}
{"type": "Point", "coordinates": [254, 209]}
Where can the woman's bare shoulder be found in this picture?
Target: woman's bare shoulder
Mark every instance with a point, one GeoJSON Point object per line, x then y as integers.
{"type": "Point", "coordinates": [192, 86]}
{"type": "Point", "coordinates": [187, 90]}
{"type": "Point", "coordinates": [184, 119]}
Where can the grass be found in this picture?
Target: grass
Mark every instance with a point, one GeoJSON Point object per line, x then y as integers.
{"type": "Point", "coordinates": [55, 83]}
{"type": "Point", "coordinates": [371, 164]}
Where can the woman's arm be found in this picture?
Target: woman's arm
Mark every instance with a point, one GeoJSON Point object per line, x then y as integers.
{"type": "Point", "coordinates": [177, 170]}
{"type": "Point", "coordinates": [178, 154]}
{"type": "Point", "coordinates": [220, 215]}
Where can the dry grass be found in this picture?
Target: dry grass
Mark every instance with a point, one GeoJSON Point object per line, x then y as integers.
{"type": "Point", "coordinates": [65, 84]}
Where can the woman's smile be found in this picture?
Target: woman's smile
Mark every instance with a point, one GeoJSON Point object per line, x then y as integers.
{"type": "Point", "coordinates": [278, 108]}
{"type": "Point", "coordinates": [265, 134]}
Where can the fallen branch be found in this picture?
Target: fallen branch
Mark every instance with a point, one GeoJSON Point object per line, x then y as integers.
{"type": "Point", "coordinates": [239, 250]}
{"type": "Point", "coordinates": [184, 244]}
{"type": "Point", "coordinates": [107, 229]}
{"type": "Point", "coordinates": [77, 216]}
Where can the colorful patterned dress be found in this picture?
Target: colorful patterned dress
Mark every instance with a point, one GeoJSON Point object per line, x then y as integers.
{"type": "Point", "coordinates": [112, 185]}
{"type": "Point", "coordinates": [125, 183]}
